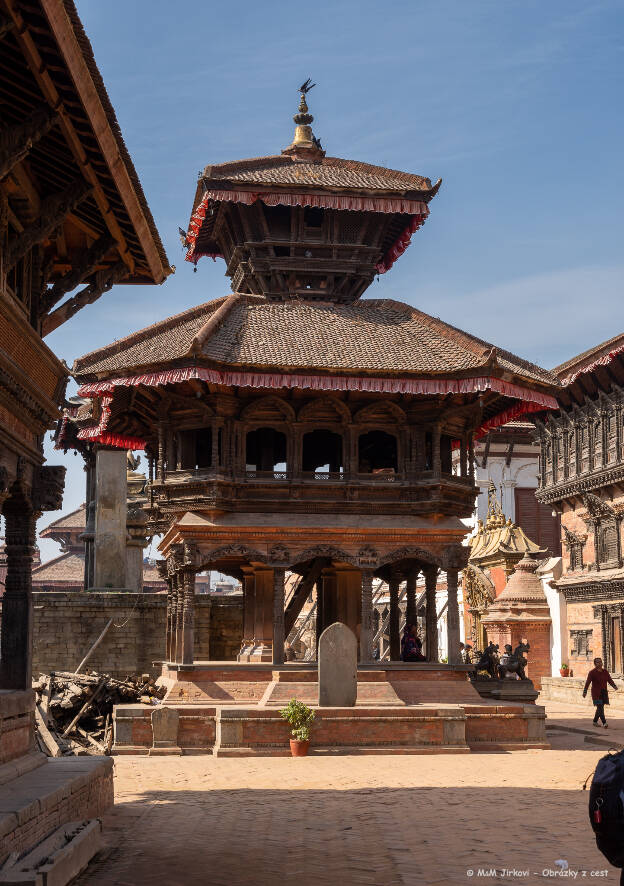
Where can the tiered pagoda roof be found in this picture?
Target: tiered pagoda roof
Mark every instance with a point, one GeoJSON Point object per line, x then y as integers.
{"type": "Point", "coordinates": [296, 319]}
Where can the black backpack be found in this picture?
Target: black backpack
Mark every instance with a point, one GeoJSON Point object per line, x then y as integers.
{"type": "Point", "coordinates": [606, 807]}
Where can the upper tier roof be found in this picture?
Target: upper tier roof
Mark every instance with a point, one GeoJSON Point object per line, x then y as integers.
{"type": "Point", "coordinates": [599, 355]}
{"type": "Point", "coordinates": [332, 173]}
{"type": "Point", "coordinates": [76, 520]}
{"type": "Point", "coordinates": [372, 335]}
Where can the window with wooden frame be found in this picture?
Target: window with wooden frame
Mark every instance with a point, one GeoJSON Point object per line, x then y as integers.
{"type": "Point", "coordinates": [580, 644]}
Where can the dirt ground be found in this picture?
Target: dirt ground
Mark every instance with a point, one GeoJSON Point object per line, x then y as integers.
{"type": "Point", "coordinates": [381, 820]}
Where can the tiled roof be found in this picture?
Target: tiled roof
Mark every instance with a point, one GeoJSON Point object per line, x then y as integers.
{"type": "Point", "coordinates": [124, 154]}
{"type": "Point", "coordinates": [75, 520]}
{"type": "Point", "coordinates": [369, 335]}
{"type": "Point", "coordinates": [67, 568]}
{"type": "Point", "coordinates": [583, 362]}
{"type": "Point", "coordinates": [324, 172]}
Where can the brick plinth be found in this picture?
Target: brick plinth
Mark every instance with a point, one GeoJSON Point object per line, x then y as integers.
{"type": "Point", "coordinates": [17, 723]}
{"type": "Point", "coordinates": [434, 728]}
{"type": "Point", "coordinates": [67, 789]}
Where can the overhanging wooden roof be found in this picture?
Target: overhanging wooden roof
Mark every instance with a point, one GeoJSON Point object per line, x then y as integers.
{"type": "Point", "coordinates": [50, 86]}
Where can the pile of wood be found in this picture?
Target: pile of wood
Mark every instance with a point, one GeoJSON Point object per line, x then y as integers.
{"type": "Point", "coordinates": [73, 714]}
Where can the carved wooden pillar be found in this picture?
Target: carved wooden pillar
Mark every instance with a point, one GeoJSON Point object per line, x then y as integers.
{"type": "Point", "coordinates": [366, 629]}
{"type": "Point", "coordinates": [179, 606]}
{"type": "Point", "coordinates": [188, 614]}
{"type": "Point", "coordinates": [249, 608]}
{"type": "Point", "coordinates": [463, 456]}
{"type": "Point", "coordinates": [320, 624]}
{"type": "Point", "coordinates": [278, 615]}
{"type": "Point", "coordinates": [431, 630]}
{"type": "Point", "coordinates": [471, 457]}
{"type": "Point", "coordinates": [452, 617]}
{"type": "Point", "coordinates": [17, 612]}
{"type": "Point", "coordinates": [88, 536]}
{"type": "Point", "coordinates": [394, 624]}
{"type": "Point", "coordinates": [171, 600]}
{"type": "Point", "coordinates": [411, 615]}
{"type": "Point", "coordinates": [214, 455]}
{"type": "Point", "coordinates": [435, 444]}
{"type": "Point", "coordinates": [162, 455]}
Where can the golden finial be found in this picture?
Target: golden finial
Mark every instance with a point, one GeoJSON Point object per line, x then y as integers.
{"type": "Point", "coordinates": [495, 517]}
{"type": "Point", "coordinates": [304, 139]}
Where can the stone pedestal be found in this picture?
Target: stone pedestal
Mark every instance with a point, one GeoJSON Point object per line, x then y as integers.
{"type": "Point", "coordinates": [164, 732]}
{"type": "Point", "coordinates": [337, 667]}
{"type": "Point", "coordinates": [110, 519]}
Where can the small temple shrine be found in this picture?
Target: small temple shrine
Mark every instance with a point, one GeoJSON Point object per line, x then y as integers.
{"type": "Point", "coordinates": [292, 425]}
{"type": "Point", "coordinates": [504, 601]}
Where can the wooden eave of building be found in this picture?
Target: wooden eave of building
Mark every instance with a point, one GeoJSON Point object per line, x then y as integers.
{"type": "Point", "coordinates": [47, 67]}
{"type": "Point", "coordinates": [34, 378]}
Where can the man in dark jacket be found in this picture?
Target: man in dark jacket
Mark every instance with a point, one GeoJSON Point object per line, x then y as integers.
{"type": "Point", "coordinates": [598, 678]}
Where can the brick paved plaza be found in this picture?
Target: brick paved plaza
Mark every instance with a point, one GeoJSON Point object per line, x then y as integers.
{"type": "Point", "coordinates": [378, 820]}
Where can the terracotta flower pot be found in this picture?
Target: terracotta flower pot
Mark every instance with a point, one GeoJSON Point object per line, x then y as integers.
{"type": "Point", "coordinates": [299, 748]}
{"type": "Point", "coordinates": [565, 672]}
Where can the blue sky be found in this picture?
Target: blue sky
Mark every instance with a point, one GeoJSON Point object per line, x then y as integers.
{"type": "Point", "coordinates": [517, 106]}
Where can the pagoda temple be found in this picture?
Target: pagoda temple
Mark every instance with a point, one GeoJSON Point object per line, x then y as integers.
{"type": "Point", "coordinates": [291, 425]}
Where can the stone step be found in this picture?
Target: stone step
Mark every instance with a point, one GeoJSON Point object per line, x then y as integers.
{"type": "Point", "coordinates": [44, 798]}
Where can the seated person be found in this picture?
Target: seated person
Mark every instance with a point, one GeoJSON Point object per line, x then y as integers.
{"type": "Point", "coordinates": [411, 645]}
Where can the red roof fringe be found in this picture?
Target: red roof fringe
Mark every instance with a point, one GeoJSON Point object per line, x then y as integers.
{"type": "Point", "coordinates": [532, 401]}
{"type": "Point", "coordinates": [601, 361]}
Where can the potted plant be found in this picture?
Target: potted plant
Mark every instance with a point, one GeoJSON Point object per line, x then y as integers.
{"type": "Point", "coordinates": [300, 717]}
{"type": "Point", "coordinates": [564, 670]}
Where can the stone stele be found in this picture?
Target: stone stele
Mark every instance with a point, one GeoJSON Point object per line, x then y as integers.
{"type": "Point", "coordinates": [164, 731]}
{"type": "Point", "coordinates": [337, 667]}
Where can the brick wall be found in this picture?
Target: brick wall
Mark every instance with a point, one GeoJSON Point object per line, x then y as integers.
{"type": "Point", "coordinates": [68, 789]}
{"type": "Point", "coordinates": [67, 624]}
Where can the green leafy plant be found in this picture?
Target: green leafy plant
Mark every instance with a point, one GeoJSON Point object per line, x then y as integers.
{"type": "Point", "coordinates": [300, 718]}
{"type": "Point", "coordinates": [565, 667]}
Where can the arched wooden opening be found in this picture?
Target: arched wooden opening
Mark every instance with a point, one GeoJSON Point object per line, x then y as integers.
{"type": "Point", "coordinates": [322, 450]}
{"type": "Point", "coordinates": [195, 449]}
{"type": "Point", "coordinates": [266, 450]}
{"type": "Point", "coordinates": [377, 451]}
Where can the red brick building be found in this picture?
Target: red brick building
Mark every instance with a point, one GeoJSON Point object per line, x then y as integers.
{"type": "Point", "coordinates": [582, 477]}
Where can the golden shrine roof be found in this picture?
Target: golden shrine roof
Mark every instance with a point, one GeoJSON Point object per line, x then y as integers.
{"type": "Point", "coordinates": [499, 535]}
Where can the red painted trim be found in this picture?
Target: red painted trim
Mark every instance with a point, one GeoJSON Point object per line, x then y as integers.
{"type": "Point", "coordinates": [322, 383]}
{"type": "Point", "coordinates": [601, 361]}
{"type": "Point", "coordinates": [531, 401]}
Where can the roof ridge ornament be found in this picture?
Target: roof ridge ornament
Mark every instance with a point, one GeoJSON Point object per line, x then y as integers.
{"type": "Point", "coordinates": [304, 145]}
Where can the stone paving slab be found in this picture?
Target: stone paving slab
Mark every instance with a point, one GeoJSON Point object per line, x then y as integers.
{"type": "Point", "coordinates": [350, 821]}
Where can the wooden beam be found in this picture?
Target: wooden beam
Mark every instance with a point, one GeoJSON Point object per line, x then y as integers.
{"type": "Point", "coordinates": [90, 260]}
{"type": "Point", "coordinates": [6, 26]}
{"type": "Point", "coordinates": [509, 453]}
{"type": "Point", "coordinates": [74, 59]}
{"type": "Point", "coordinates": [104, 281]}
{"type": "Point", "coordinates": [51, 94]}
{"type": "Point", "coordinates": [53, 211]}
{"type": "Point", "coordinates": [17, 140]}
{"type": "Point", "coordinates": [488, 441]}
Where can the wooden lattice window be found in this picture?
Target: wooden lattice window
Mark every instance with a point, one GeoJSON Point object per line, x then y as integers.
{"type": "Point", "coordinates": [580, 644]}
{"type": "Point", "coordinates": [607, 552]}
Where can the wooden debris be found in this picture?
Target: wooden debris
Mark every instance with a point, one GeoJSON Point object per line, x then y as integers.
{"type": "Point", "coordinates": [81, 706]}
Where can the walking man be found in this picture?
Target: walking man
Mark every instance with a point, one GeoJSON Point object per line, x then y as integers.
{"type": "Point", "coordinates": [599, 677]}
